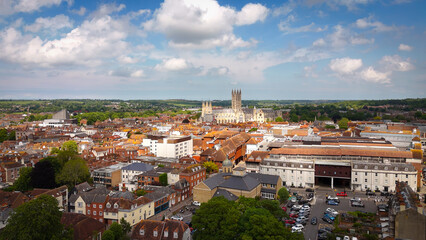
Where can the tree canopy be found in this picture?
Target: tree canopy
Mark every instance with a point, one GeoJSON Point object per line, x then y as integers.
{"type": "Point", "coordinates": [163, 179]}
{"type": "Point", "coordinates": [43, 175]}
{"type": "Point", "coordinates": [23, 183]}
{"type": "Point", "coordinates": [74, 171]}
{"type": "Point", "coordinates": [37, 219]}
{"type": "Point", "coordinates": [210, 167]}
{"type": "Point", "coordinates": [343, 123]}
{"type": "Point", "coordinates": [283, 194]}
{"type": "Point", "coordinates": [246, 219]}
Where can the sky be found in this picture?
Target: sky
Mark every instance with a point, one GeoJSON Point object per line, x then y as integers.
{"type": "Point", "coordinates": [202, 49]}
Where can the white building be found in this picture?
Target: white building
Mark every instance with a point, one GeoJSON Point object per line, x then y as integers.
{"type": "Point", "coordinates": [175, 147]}
{"type": "Point", "coordinates": [129, 173]}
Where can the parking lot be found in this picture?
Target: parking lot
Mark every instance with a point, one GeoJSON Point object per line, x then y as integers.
{"type": "Point", "coordinates": [319, 206]}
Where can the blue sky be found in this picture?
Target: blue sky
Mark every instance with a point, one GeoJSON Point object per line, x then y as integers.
{"type": "Point", "coordinates": [202, 49]}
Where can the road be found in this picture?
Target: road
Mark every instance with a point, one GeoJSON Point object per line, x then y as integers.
{"type": "Point", "coordinates": [175, 210]}
{"type": "Point", "coordinates": [319, 206]}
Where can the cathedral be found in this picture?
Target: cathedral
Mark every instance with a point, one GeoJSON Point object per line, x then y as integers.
{"type": "Point", "coordinates": [236, 114]}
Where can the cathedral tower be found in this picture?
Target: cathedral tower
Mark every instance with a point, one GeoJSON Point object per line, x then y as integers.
{"type": "Point", "coordinates": [236, 100]}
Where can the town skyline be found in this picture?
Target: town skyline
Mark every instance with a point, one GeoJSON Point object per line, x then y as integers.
{"type": "Point", "coordinates": [343, 50]}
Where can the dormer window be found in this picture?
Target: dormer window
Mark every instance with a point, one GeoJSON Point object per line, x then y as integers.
{"type": "Point", "coordinates": [115, 205]}
{"type": "Point", "coordinates": [142, 232]}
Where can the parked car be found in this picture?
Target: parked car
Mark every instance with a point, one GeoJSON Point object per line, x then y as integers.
{"type": "Point", "coordinates": [325, 229]}
{"type": "Point", "coordinates": [196, 203]}
{"type": "Point", "coordinates": [314, 221]}
{"type": "Point", "coordinates": [294, 215]}
{"type": "Point", "coordinates": [177, 217]}
{"type": "Point", "coordinates": [310, 195]}
{"type": "Point", "coordinates": [306, 208]}
{"type": "Point", "coordinates": [342, 194]}
{"type": "Point", "coordinates": [296, 207]}
{"type": "Point", "coordinates": [322, 236]}
{"type": "Point", "coordinates": [357, 204]}
{"type": "Point", "coordinates": [296, 230]}
{"type": "Point", "coordinates": [329, 215]}
{"type": "Point", "coordinates": [370, 193]}
{"type": "Point", "coordinates": [284, 209]}
{"type": "Point", "coordinates": [332, 202]}
{"type": "Point", "coordinates": [293, 199]}
{"type": "Point", "coordinates": [354, 199]}
{"type": "Point", "coordinates": [336, 199]}
{"type": "Point", "coordinates": [327, 219]}
{"type": "Point", "coordinates": [346, 238]}
{"type": "Point", "coordinates": [332, 211]}
{"type": "Point", "coordinates": [290, 221]}
{"type": "Point", "coordinates": [309, 190]}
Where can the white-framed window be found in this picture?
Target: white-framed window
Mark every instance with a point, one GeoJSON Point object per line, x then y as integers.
{"type": "Point", "coordinates": [94, 213]}
{"type": "Point", "coordinates": [88, 211]}
{"type": "Point", "coordinates": [94, 205]}
{"type": "Point", "coordinates": [155, 233]}
{"type": "Point", "coordinates": [108, 205]}
{"type": "Point", "coordinates": [166, 233]}
{"type": "Point", "coordinates": [100, 205]}
{"type": "Point", "coordinates": [142, 232]}
{"type": "Point", "coordinates": [100, 213]}
{"type": "Point", "coordinates": [80, 204]}
{"type": "Point", "coordinates": [175, 235]}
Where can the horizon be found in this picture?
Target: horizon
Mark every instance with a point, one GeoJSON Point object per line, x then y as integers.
{"type": "Point", "coordinates": [184, 49]}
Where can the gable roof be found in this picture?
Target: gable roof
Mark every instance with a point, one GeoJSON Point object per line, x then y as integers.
{"type": "Point", "coordinates": [149, 226]}
{"type": "Point", "coordinates": [83, 226]}
{"type": "Point", "coordinates": [141, 167]}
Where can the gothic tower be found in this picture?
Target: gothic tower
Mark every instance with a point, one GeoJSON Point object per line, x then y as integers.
{"type": "Point", "coordinates": [236, 100]}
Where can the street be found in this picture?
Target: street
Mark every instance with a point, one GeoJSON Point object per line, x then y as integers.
{"type": "Point", "coordinates": [187, 215]}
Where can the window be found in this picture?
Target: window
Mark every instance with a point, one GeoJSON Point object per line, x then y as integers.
{"type": "Point", "coordinates": [155, 233]}
{"type": "Point", "coordinates": [376, 174]}
{"type": "Point", "coordinates": [88, 204]}
{"type": "Point", "coordinates": [396, 175]}
{"type": "Point", "coordinates": [175, 235]}
{"type": "Point", "coordinates": [94, 205]}
{"type": "Point", "coordinates": [406, 176]}
{"type": "Point", "coordinates": [100, 213]}
{"type": "Point", "coordinates": [166, 233]}
{"type": "Point", "coordinates": [88, 211]}
{"type": "Point", "coordinates": [142, 232]}
{"type": "Point", "coordinates": [365, 174]}
{"type": "Point", "coordinates": [94, 213]}
{"type": "Point", "coordinates": [80, 204]}
{"type": "Point", "coordinates": [100, 205]}
{"type": "Point", "coordinates": [108, 205]}
{"type": "Point", "coordinates": [365, 180]}
{"type": "Point", "coordinates": [356, 179]}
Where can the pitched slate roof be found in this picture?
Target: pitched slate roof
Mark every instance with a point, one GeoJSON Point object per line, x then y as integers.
{"type": "Point", "coordinates": [141, 167]}
{"type": "Point", "coordinates": [245, 183]}
{"type": "Point", "coordinates": [226, 194]}
{"type": "Point", "coordinates": [264, 178]}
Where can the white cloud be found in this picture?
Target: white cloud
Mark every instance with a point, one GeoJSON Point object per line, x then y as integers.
{"type": "Point", "coordinates": [403, 47]}
{"type": "Point", "coordinates": [345, 66]}
{"type": "Point", "coordinates": [138, 73]}
{"type": "Point", "coordinates": [319, 43]}
{"type": "Point", "coordinates": [371, 75]}
{"type": "Point", "coordinates": [80, 11]}
{"type": "Point", "coordinates": [396, 63]}
{"type": "Point", "coordinates": [285, 26]}
{"type": "Point", "coordinates": [334, 4]}
{"type": "Point", "coordinates": [203, 23]}
{"type": "Point", "coordinates": [107, 9]}
{"type": "Point", "coordinates": [8, 7]}
{"type": "Point", "coordinates": [361, 40]}
{"type": "Point", "coordinates": [340, 38]}
{"type": "Point", "coordinates": [375, 25]}
{"type": "Point", "coordinates": [251, 13]}
{"type": "Point", "coordinates": [172, 64]}
{"type": "Point", "coordinates": [310, 71]}
{"type": "Point", "coordinates": [52, 24]}
{"type": "Point", "coordinates": [87, 44]}
{"type": "Point", "coordinates": [127, 59]}
{"type": "Point", "coordinates": [285, 9]}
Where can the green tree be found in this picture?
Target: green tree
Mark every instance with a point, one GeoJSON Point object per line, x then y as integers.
{"type": "Point", "coordinates": [283, 195]}
{"type": "Point", "coordinates": [210, 167]}
{"type": "Point", "coordinates": [23, 183]}
{"type": "Point", "coordinates": [43, 175]}
{"type": "Point", "coordinates": [160, 165]}
{"type": "Point", "coordinates": [163, 179]}
{"type": "Point", "coordinates": [125, 226]}
{"type": "Point", "coordinates": [216, 219]}
{"type": "Point", "coordinates": [70, 146]}
{"type": "Point", "coordinates": [37, 219]}
{"type": "Point", "coordinates": [108, 235]}
{"type": "Point", "coordinates": [74, 172]}
{"type": "Point", "coordinates": [252, 130]}
{"type": "Point", "coordinates": [140, 192]}
{"type": "Point", "coordinates": [117, 230]}
{"type": "Point", "coordinates": [258, 223]}
{"type": "Point", "coordinates": [343, 123]}
{"type": "Point", "coordinates": [279, 119]}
